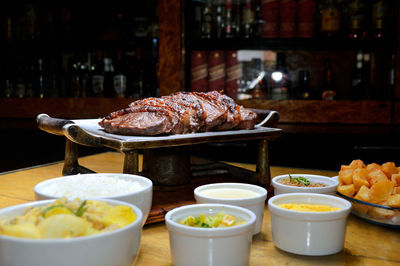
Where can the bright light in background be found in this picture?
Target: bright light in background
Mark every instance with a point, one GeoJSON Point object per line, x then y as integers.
{"type": "Point", "coordinates": [277, 76]}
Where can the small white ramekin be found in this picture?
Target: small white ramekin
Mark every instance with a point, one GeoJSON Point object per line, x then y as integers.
{"type": "Point", "coordinates": [309, 233]}
{"type": "Point", "coordinates": [210, 246]}
{"type": "Point", "coordinates": [255, 204]}
{"type": "Point", "coordinates": [330, 188]}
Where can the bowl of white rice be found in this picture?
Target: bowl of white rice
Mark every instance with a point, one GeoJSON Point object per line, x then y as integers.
{"type": "Point", "coordinates": [134, 189]}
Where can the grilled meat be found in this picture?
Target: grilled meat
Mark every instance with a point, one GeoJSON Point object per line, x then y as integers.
{"type": "Point", "coordinates": [179, 113]}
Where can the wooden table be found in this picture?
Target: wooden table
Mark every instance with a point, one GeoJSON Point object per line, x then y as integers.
{"type": "Point", "coordinates": [366, 244]}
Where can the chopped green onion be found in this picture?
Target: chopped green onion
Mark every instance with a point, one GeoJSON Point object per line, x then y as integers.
{"type": "Point", "coordinates": [300, 179]}
{"type": "Point", "coordinates": [81, 210]}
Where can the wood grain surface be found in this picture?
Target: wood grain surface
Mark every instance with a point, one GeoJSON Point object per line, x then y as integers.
{"type": "Point", "coordinates": [365, 243]}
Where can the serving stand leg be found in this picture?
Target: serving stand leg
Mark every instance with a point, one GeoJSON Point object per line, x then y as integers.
{"type": "Point", "coordinates": [71, 165]}
{"type": "Point", "coordinates": [131, 162]}
{"type": "Point", "coordinates": [263, 174]}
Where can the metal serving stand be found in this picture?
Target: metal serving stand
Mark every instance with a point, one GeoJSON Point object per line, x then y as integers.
{"type": "Point", "coordinates": [166, 159]}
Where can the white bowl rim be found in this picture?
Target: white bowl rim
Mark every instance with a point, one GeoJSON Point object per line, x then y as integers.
{"type": "Point", "coordinates": [210, 232]}
{"type": "Point", "coordinates": [136, 210]}
{"type": "Point", "coordinates": [274, 209]}
{"type": "Point", "coordinates": [331, 182]}
{"type": "Point", "coordinates": [147, 184]}
{"type": "Point", "coordinates": [262, 192]}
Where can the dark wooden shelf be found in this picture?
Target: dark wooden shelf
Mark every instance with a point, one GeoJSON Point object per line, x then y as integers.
{"type": "Point", "coordinates": [293, 113]}
{"type": "Point", "coordinates": [327, 112]}
{"type": "Point", "coordinates": [71, 45]}
{"type": "Point", "coordinates": [67, 108]}
{"type": "Point", "coordinates": [292, 44]}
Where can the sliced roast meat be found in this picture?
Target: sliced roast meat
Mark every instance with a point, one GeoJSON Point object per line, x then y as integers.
{"type": "Point", "coordinates": [179, 113]}
{"type": "Point", "coordinates": [248, 119]}
{"type": "Point", "coordinates": [216, 113]}
{"type": "Point", "coordinates": [141, 123]}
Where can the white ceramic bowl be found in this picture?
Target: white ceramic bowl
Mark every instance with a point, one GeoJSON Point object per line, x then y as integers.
{"type": "Point", "coordinates": [255, 203]}
{"type": "Point", "coordinates": [117, 247]}
{"type": "Point", "coordinates": [210, 246]}
{"type": "Point", "coordinates": [309, 233]}
{"type": "Point", "coordinates": [141, 197]}
{"type": "Point", "coordinates": [330, 188]}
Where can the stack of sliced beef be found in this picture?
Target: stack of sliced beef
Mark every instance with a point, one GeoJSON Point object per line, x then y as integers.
{"type": "Point", "coordinates": [179, 113]}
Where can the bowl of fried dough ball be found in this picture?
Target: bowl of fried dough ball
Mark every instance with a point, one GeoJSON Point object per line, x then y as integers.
{"type": "Point", "coordinates": [374, 191]}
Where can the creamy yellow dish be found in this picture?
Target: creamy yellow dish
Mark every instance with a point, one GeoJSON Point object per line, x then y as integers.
{"type": "Point", "coordinates": [220, 220]}
{"type": "Point", "coordinates": [67, 219]}
{"type": "Point", "coordinates": [308, 207]}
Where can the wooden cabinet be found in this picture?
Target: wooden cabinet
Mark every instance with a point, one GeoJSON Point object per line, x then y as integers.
{"type": "Point", "coordinates": [312, 114]}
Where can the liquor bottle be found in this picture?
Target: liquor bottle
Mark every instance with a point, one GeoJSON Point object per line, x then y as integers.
{"type": "Point", "coordinates": [258, 19]}
{"type": "Point", "coordinates": [206, 20]}
{"type": "Point", "coordinates": [381, 17]}
{"type": "Point", "coordinates": [120, 24]}
{"type": "Point", "coordinates": [247, 20]}
{"type": "Point", "coordinates": [65, 22]}
{"type": "Point", "coordinates": [370, 90]}
{"type": "Point", "coordinates": [120, 79]}
{"type": "Point", "coordinates": [229, 28]}
{"type": "Point", "coordinates": [98, 77]}
{"type": "Point", "coordinates": [29, 78]}
{"type": "Point", "coordinates": [54, 77]}
{"type": "Point", "coordinates": [287, 13]}
{"type": "Point", "coordinates": [47, 24]}
{"type": "Point", "coordinates": [328, 89]}
{"type": "Point", "coordinates": [236, 7]}
{"type": "Point", "coordinates": [131, 74]}
{"type": "Point", "coordinates": [270, 16]}
{"type": "Point", "coordinates": [76, 79]}
{"type": "Point", "coordinates": [7, 84]}
{"type": "Point", "coordinates": [140, 75]}
{"type": "Point", "coordinates": [85, 79]}
{"type": "Point", "coordinates": [219, 19]}
{"type": "Point", "coordinates": [216, 70]}
{"type": "Point", "coordinates": [108, 77]}
{"type": "Point", "coordinates": [330, 19]}
{"type": "Point", "coordinates": [19, 89]}
{"type": "Point", "coordinates": [140, 30]}
{"type": "Point", "coordinates": [392, 78]}
{"type": "Point", "coordinates": [303, 90]}
{"type": "Point", "coordinates": [357, 15]}
{"type": "Point", "coordinates": [233, 74]}
{"type": "Point", "coordinates": [197, 9]}
{"type": "Point", "coordinates": [7, 24]}
{"type": "Point", "coordinates": [31, 23]}
{"type": "Point", "coordinates": [199, 71]}
{"type": "Point", "coordinates": [154, 62]}
{"type": "Point", "coordinates": [357, 79]}
{"type": "Point", "coordinates": [361, 88]}
{"type": "Point", "coordinates": [280, 79]}
{"type": "Point", "coordinates": [306, 18]}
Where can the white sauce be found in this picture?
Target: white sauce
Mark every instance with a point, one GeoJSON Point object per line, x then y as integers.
{"type": "Point", "coordinates": [91, 186]}
{"type": "Point", "coordinates": [229, 193]}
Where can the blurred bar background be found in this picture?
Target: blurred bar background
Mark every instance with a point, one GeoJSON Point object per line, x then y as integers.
{"type": "Point", "coordinates": [329, 67]}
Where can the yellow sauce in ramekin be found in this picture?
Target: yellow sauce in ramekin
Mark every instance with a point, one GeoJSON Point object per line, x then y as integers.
{"type": "Point", "coordinates": [308, 207]}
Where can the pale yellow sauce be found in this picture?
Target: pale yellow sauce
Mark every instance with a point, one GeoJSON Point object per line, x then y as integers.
{"type": "Point", "coordinates": [308, 207]}
{"type": "Point", "coordinates": [229, 193]}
